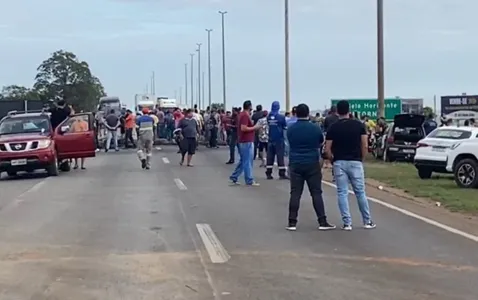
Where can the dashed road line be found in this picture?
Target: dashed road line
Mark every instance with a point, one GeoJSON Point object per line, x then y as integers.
{"type": "Point", "coordinates": [166, 160]}
{"type": "Point", "coordinates": [415, 216]}
{"type": "Point", "coordinates": [217, 253]}
{"type": "Point", "coordinates": [21, 198]}
{"type": "Point", "coordinates": [180, 184]}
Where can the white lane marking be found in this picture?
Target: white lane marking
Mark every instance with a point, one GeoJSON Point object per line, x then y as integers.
{"type": "Point", "coordinates": [416, 216]}
{"type": "Point", "coordinates": [20, 198]}
{"type": "Point", "coordinates": [180, 184]}
{"type": "Point", "coordinates": [166, 160]}
{"type": "Point", "coordinates": [214, 248]}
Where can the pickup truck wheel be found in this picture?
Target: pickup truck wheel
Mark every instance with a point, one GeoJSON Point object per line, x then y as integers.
{"type": "Point", "coordinates": [466, 173]}
{"type": "Point", "coordinates": [11, 173]}
{"type": "Point", "coordinates": [52, 169]}
{"type": "Point", "coordinates": [424, 172]}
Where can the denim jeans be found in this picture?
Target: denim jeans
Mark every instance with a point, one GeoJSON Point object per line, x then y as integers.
{"type": "Point", "coordinates": [111, 135]}
{"type": "Point", "coordinates": [345, 171]}
{"type": "Point", "coordinates": [246, 153]}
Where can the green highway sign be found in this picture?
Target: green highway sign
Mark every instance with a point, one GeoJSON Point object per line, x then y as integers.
{"type": "Point", "coordinates": [369, 107]}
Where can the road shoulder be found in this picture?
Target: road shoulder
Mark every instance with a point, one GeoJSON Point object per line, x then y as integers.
{"type": "Point", "coordinates": [421, 206]}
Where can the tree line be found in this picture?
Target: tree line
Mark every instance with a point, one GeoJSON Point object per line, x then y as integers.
{"type": "Point", "coordinates": [61, 76]}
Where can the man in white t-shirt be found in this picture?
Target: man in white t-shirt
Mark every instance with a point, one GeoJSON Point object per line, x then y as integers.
{"type": "Point", "coordinates": [199, 120]}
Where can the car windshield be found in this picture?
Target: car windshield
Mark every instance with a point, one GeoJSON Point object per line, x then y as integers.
{"type": "Point", "coordinates": [25, 125]}
{"type": "Point", "coordinates": [451, 134]}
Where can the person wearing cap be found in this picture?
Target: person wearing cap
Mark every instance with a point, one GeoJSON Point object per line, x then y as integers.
{"type": "Point", "coordinates": [145, 138]}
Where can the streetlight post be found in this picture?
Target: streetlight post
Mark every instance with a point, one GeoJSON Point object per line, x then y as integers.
{"type": "Point", "coordinates": [199, 75]}
{"type": "Point", "coordinates": [380, 61]}
{"type": "Point", "coordinates": [186, 84]}
{"type": "Point", "coordinates": [209, 65]}
{"type": "Point", "coordinates": [180, 95]}
{"type": "Point", "coordinates": [286, 54]}
{"type": "Point", "coordinates": [192, 80]}
{"type": "Point", "coordinates": [203, 92]}
{"type": "Point", "coordinates": [223, 13]}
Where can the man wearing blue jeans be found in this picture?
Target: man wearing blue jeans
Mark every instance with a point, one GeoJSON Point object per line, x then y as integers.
{"type": "Point", "coordinates": [346, 146]}
{"type": "Point", "coordinates": [245, 139]}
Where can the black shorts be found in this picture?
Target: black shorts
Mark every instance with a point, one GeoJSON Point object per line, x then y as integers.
{"type": "Point", "coordinates": [188, 145]}
{"type": "Point", "coordinates": [262, 146]}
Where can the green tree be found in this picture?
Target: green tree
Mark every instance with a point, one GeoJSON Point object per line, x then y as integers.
{"type": "Point", "coordinates": [18, 92]}
{"type": "Point", "coordinates": [64, 76]}
{"type": "Point", "coordinates": [427, 110]}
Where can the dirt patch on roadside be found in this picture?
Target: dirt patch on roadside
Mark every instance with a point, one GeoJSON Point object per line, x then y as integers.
{"type": "Point", "coordinates": [421, 206]}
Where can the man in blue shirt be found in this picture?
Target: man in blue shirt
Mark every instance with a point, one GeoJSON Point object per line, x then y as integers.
{"type": "Point", "coordinates": [305, 139]}
{"type": "Point", "coordinates": [145, 138]}
{"type": "Point", "coordinates": [277, 125]}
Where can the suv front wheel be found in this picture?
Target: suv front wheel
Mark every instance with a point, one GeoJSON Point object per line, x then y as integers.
{"type": "Point", "coordinates": [466, 173]}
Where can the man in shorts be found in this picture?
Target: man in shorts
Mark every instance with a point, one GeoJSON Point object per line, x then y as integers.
{"type": "Point", "coordinates": [189, 130]}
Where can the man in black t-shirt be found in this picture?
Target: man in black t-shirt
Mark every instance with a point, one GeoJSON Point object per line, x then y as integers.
{"type": "Point", "coordinates": [346, 146]}
{"type": "Point", "coordinates": [59, 113]}
{"type": "Point", "coordinates": [331, 118]}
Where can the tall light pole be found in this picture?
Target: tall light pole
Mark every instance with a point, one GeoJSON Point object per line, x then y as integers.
{"type": "Point", "coordinates": [192, 80]}
{"type": "Point", "coordinates": [203, 92]}
{"type": "Point", "coordinates": [186, 84]}
{"type": "Point", "coordinates": [286, 52]}
{"type": "Point", "coordinates": [223, 60]}
{"type": "Point", "coordinates": [199, 74]}
{"type": "Point", "coordinates": [209, 64]}
{"type": "Point", "coordinates": [180, 95]}
{"type": "Point", "coordinates": [380, 61]}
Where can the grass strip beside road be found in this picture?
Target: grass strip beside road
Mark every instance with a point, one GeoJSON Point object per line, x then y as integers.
{"type": "Point", "coordinates": [440, 187]}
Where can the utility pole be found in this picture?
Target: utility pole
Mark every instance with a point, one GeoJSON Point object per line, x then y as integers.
{"type": "Point", "coordinates": [175, 94]}
{"type": "Point", "coordinates": [199, 74]}
{"type": "Point", "coordinates": [286, 53]}
{"type": "Point", "coordinates": [186, 84]}
{"type": "Point", "coordinates": [192, 80]}
{"type": "Point", "coordinates": [223, 13]}
{"type": "Point", "coordinates": [153, 84]}
{"type": "Point", "coordinates": [180, 95]}
{"type": "Point", "coordinates": [380, 61]}
{"type": "Point", "coordinates": [209, 64]}
{"type": "Point", "coordinates": [203, 92]}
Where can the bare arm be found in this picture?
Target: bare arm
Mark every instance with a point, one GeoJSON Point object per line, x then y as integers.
{"type": "Point", "coordinates": [328, 150]}
{"type": "Point", "coordinates": [364, 145]}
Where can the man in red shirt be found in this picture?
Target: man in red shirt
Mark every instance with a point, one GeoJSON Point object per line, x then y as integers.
{"type": "Point", "coordinates": [245, 139]}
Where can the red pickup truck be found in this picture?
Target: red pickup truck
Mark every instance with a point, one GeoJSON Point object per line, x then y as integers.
{"type": "Point", "coordinates": [28, 142]}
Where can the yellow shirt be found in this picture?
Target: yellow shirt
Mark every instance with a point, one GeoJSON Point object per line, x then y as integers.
{"type": "Point", "coordinates": [156, 119]}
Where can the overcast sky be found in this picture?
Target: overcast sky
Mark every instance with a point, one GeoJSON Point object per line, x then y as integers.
{"type": "Point", "coordinates": [431, 45]}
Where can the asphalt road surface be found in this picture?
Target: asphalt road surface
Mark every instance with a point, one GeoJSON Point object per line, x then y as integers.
{"type": "Point", "coordinates": [117, 232]}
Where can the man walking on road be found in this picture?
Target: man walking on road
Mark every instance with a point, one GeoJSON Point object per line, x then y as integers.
{"type": "Point", "coordinates": [145, 139]}
{"type": "Point", "coordinates": [256, 116]}
{"type": "Point", "coordinates": [112, 123]}
{"type": "Point", "coordinates": [276, 147]}
{"type": "Point", "coordinates": [130, 124]}
{"type": "Point", "coordinates": [305, 140]}
{"type": "Point", "coordinates": [346, 146]}
{"type": "Point", "coordinates": [189, 129]}
{"type": "Point", "coordinates": [246, 132]}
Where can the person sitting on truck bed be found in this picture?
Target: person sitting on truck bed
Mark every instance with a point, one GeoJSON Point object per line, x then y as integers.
{"type": "Point", "coordinates": [59, 113]}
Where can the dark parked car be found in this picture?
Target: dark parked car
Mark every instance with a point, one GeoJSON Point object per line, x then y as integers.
{"type": "Point", "coordinates": [399, 141]}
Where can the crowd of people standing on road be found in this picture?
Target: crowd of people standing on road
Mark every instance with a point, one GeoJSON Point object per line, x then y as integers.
{"type": "Point", "coordinates": [298, 136]}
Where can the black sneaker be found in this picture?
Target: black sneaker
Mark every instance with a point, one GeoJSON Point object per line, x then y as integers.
{"type": "Point", "coordinates": [327, 226]}
{"type": "Point", "coordinates": [291, 227]}
{"type": "Point", "coordinates": [269, 177]}
{"type": "Point", "coordinates": [370, 225]}
{"type": "Point", "coordinates": [229, 163]}
{"type": "Point", "coordinates": [143, 163]}
{"type": "Point", "coordinates": [347, 227]}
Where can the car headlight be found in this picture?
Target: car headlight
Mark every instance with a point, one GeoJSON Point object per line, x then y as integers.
{"type": "Point", "coordinates": [455, 145]}
{"type": "Point", "coordinates": [42, 144]}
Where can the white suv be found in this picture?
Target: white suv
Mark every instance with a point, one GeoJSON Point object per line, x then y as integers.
{"type": "Point", "coordinates": [432, 151]}
{"type": "Point", "coordinates": [462, 160]}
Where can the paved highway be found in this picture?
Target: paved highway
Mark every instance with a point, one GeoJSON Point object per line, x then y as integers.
{"type": "Point", "coordinates": [116, 232]}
